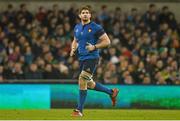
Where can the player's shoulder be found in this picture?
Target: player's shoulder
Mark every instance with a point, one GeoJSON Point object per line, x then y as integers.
{"type": "Point", "coordinates": [77, 25]}
{"type": "Point", "coordinates": [95, 25]}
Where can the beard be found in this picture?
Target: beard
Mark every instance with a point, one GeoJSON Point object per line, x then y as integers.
{"type": "Point", "coordinates": [85, 19]}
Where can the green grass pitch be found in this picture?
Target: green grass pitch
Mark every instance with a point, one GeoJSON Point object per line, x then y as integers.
{"type": "Point", "coordinates": [90, 114]}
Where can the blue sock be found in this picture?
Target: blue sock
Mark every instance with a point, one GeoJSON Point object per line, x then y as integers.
{"type": "Point", "coordinates": [101, 88]}
{"type": "Point", "coordinates": [82, 98]}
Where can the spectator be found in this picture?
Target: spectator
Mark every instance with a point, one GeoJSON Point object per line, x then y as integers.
{"type": "Point", "coordinates": [33, 72]}
{"type": "Point", "coordinates": [24, 13]}
{"type": "Point", "coordinates": [73, 72]}
{"type": "Point", "coordinates": [1, 73]}
{"type": "Point", "coordinates": [15, 54]}
{"type": "Point", "coordinates": [50, 72]}
{"type": "Point", "coordinates": [164, 14]}
{"type": "Point", "coordinates": [99, 75]}
{"type": "Point", "coordinates": [16, 72]}
{"type": "Point", "coordinates": [41, 14]}
{"type": "Point", "coordinates": [28, 56]}
{"type": "Point", "coordinates": [113, 57]}
{"type": "Point", "coordinates": [3, 55]}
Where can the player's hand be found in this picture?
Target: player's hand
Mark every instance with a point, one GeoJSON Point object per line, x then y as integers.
{"type": "Point", "coordinates": [90, 47]}
{"type": "Point", "coordinates": [72, 53]}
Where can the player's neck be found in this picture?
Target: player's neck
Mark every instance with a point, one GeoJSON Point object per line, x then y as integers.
{"type": "Point", "coordinates": [85, 22]}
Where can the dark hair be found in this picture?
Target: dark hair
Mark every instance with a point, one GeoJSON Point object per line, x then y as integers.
{"type": "Point", "coordinates": [151, 5]}
{"type": "Point", "coordinates": [22, 5]}
{"type": "Point", "coordinates": [10, 6]}
{"type": "Point", "coordinates": [87, 7]}
{"type": "Point", "coordinates": [164, 7]}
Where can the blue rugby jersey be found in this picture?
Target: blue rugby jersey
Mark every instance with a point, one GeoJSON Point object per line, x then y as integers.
{"type": "Point", "coordinates": [87, 33]}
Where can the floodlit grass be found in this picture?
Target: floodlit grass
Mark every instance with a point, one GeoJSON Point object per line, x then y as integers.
{"type": "Point", "coordinates": [90, 114]}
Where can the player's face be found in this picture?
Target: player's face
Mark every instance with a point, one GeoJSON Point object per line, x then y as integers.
{"type": "Point", "coordinates": [85, 15]}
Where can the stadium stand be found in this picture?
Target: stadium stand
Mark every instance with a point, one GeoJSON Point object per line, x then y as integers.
{"type": "Point", "coordinates": [145, 45]}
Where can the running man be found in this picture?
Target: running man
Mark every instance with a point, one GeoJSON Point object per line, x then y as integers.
{"type": "Point", "coordinates": [88, 38]}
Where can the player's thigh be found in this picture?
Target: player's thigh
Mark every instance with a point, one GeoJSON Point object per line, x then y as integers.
{"type": "Point", "coordinates": [87, 68]}
{"type": "Point", "coordinates": [90, 65]}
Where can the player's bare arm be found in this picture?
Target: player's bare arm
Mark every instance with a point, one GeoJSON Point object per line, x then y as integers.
{"type": "Point", "coordinates": [74, 46]}
{"type": "Point", "coordinates": [104, 41]}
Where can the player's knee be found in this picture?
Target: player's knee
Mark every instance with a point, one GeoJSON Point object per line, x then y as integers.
{"type": "Point", "coordinates": [84, 77]}
{"type": "Point", "coordinates": [91, 84]}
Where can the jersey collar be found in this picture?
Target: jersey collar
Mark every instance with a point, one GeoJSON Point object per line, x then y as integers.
{"type": "Point", "coordinates": [86, 24]}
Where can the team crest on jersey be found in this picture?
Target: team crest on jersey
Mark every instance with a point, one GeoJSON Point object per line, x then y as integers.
{"type": "Point", "coordinates": [89, 30]}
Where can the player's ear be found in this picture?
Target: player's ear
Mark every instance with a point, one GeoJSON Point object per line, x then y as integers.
{"type": "Point", "coordinates": [79, 15]}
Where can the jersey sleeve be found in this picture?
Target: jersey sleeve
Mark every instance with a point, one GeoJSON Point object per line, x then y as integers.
{"type": "Point", "coordinates": [99, 31]}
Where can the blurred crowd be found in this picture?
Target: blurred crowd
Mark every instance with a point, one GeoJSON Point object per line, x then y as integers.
{"type": "Point", "coordinates": [145, 45]}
